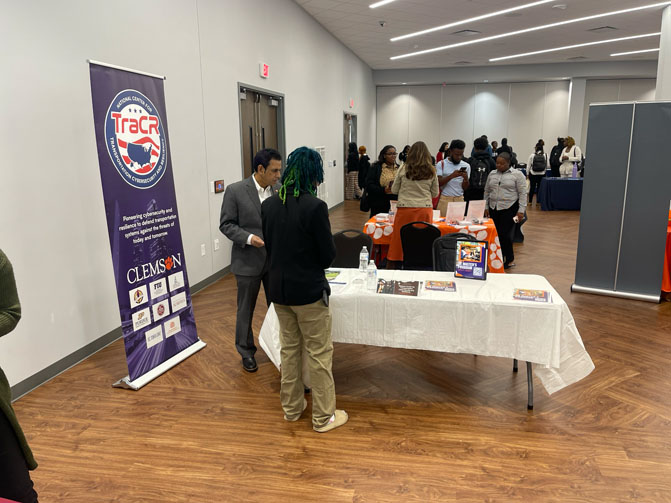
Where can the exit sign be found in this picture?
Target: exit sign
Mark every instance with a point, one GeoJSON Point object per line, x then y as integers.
{"type": "Point", "coordinates": [264, 70]}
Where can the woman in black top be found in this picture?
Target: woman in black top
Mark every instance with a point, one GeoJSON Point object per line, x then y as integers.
{"type": "Point", "coordinates": [379, 180]}
{"type": "Point", "coordinates": [352, 189]}
{"type": "Point", "coordinates": [364, 166]}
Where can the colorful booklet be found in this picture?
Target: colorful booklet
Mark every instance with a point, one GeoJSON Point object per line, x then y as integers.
{"type": "Point", "coordinates": [410, 288]}
{"type": "Point", "coordinates": [331, 275]}
{"type": "Point", "coordinates": [441, 286]}
{"type": "Point", "coordinates": [532, 295]}
{"type": "Point", "coordinates": [471, 261]}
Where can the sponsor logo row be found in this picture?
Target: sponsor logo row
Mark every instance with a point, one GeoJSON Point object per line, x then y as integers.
{"type": "Point", "coordinates": [160, 310]}
{"type": "Point", "coordinates": [154, 336]}
{"type": "Point", "coordinates": [158, 288]}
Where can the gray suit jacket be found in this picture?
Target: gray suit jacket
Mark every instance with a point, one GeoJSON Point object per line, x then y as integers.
{"type": "Point", "coordinates": [240, 217]}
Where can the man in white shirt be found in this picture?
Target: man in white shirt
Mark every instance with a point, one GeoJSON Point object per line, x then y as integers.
{"type": "Point", "coordinates": [240, 221]}
{"type": "Point", "coordinates": [453, 175]}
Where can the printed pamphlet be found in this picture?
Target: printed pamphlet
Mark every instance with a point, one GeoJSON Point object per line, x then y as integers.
{"type": "Point", "coordinates": [331, 275]}
{"type": "Point", "coordinates": [409, 288]}
{"type": "Point", "coordinates": [532, 295]}
{"type": "Point", "coordinates": [441, 286]}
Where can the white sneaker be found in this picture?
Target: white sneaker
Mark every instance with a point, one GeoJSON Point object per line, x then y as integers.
{"type": "Point", "coordinates": [339, 418]}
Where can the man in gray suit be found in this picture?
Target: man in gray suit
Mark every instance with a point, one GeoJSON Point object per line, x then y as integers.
{"type": "Point", "coordinates": [240, 222]}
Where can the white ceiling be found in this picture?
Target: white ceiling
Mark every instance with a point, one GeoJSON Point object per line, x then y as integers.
{"type": "Point", "coordinates": [358, 27]}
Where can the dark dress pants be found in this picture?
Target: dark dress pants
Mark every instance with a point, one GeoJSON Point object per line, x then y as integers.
{"type": "Point", "coordinates": [534, 184]}
{"type": "Point", "coordinates": [15, 483]}
{"type": "Point", "coordinates": [248, 291]}
{"type": "Point", "coordinates": [505, 227]}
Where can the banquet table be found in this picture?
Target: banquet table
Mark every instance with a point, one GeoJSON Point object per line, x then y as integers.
{"type": "Point", "coordinates": [560, 193]}
{"type": "Point", "coordinates": [480, 317]}
{"type": "Point", "coordinates": [381, 233]}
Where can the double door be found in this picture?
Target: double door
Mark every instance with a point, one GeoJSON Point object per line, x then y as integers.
{"type": "Point", "coordinates": [259, 122]}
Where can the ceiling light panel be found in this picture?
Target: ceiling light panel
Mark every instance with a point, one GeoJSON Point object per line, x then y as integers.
{"type": "Point", "coordinates": [472, 20]}
{"type": "Point", "coordinates": [634, 52]}
{"type": "Point", "coordinates": [575, 46]}
{"type": "Point", "coordinates": [535, 29]}
{"type": "Point", "coordinates": [380, 4]}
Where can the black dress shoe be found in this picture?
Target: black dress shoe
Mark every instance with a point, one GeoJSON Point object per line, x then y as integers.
{"type": "Point", "coordinates": [249, 364]}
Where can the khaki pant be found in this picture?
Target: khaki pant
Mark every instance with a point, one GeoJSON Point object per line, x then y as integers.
{"type": "Point", "coordinates": [308, 325]}
{"type": "Point", "coordinates": [444, 200]}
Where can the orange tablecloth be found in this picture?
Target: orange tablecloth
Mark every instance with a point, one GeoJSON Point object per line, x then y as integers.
{"type": "Point", "coordinates": [381, 233]}
{"type": "Point", "coordinates": [666, 275]}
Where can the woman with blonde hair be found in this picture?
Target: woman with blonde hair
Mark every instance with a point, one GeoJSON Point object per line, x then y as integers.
{"type": "Point", "coordinates": [570, 155]}
{"type": "Point", "coordinates": [416, 184]}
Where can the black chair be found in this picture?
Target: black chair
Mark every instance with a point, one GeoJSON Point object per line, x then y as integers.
{"type": "Point", "coordinates": [349, 247]}
{"type": "Point", "coordinates": [445, 250]}
{"type": "Point", "coordinates": [417, 239]}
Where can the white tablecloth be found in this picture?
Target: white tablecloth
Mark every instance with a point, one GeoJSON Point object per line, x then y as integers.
{"type": "Point", "coordinates": [481, 317]}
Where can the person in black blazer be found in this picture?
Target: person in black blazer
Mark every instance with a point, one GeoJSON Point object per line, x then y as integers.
{"type": "Point", "coordinates": [300, 246]}
{"type": "Point", "coordinates": [379, 179]}
{"type": "Point", "coordinates": [240, 221]}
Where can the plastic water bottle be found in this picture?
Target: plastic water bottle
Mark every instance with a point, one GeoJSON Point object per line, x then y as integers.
{"type": "Point", "coordinates": [574, 174]}
{"type": "Point", "coordinates": [363, 259]}
{"type": "Point", "coordinates": [371, 276]}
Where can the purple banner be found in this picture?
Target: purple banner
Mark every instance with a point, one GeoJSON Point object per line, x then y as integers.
{"type": "Point", "coordinates": [142, 220]}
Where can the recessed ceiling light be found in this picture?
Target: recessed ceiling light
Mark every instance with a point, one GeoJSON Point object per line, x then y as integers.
{"type": "Point", "coordinates": [380, 4]}
{"type": "Point", "coordinates": [566, 47]}
{"type": "Point", "coordinates": [485, 81]}
{"type": "Point", "coordinates": [403, 83]}
{"type": "Point", "coordinates": [560, 6]}
{"type": "Point", "coordinates": [634, 52]}
{"type": "Point", "coordinates": [533, 28]}
{"type": "Point", "coordinates": [471, 20]}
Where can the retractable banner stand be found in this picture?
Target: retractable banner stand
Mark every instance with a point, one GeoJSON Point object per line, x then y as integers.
{"type": "Point", "coordinates": [157, 321]}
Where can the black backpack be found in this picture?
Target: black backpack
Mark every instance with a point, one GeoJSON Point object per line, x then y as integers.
{"type": "Point", "coordinates": [539, 164]}
{"type": "Point", "coordinates": [479, 172]}
{"type": "Point", "coordinates": [555, 156]}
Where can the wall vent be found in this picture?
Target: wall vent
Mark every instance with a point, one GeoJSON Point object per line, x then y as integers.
{"type": "Point", "coordinates": [466, 33]}
{"type": "Point", "coordinates": [576, 58]}
{"type": "Point", "coordinates": [603, 29]}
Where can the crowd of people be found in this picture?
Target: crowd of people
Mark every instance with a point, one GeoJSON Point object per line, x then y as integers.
{"type": "Point", "coordinates": [491, 173]}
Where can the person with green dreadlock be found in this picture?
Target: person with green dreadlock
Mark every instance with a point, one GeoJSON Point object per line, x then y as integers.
{"type": "Point", "coordinates": [300, 246]}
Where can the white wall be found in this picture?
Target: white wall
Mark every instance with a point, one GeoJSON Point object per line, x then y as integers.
{"type": "Point", "coordinates": [645, 69]}
{"type": "Point", "coordinates": [51, 208]}
{"type": "Point", "coordinates": [522, 112]}
{"type": "Point", "coordinates": [606, 91]}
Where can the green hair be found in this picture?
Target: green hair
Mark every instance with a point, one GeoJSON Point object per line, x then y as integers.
{"type": "Point", "coordinates": [304, 171]}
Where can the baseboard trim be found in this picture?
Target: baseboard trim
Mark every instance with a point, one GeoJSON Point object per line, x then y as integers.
{"type": "Point", "coordinates": [55, 369]}
{"type": "Point", "coordinates": [336, 206]}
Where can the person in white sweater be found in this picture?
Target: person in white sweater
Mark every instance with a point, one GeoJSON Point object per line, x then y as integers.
{"type": "Point", "coordinates": [571, 154]}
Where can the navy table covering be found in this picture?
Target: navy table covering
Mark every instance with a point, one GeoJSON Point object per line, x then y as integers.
{"type": "Point", "coordinates": [560, 193]}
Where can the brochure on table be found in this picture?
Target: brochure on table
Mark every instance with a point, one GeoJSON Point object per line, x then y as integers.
{"type": "Point", "coordinates": [476, 211]}
{"type": "Point", "coordinates": [532, 295]}
{"type": "Point", "coordinates": [471, 260]}
{"type": "Point", "coordinates": [440, 286]}
{"type": "Point", "coordinates": [455, 212]}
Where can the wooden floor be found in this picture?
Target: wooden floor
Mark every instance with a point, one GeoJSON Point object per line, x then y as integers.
{"type": "Point", "coordinates": [423, 426]}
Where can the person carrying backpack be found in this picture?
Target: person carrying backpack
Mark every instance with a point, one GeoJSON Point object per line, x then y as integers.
{"type": "Point", "coordinates": [538, 163]}
{"type": "Point", "coordinates": [555, 157]}
{"type": "Point", "coordinates": [481, 165]}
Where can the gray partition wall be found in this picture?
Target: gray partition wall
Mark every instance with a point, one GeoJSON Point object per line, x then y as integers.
{"type": "Point", "coordinates": [625, 201]}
